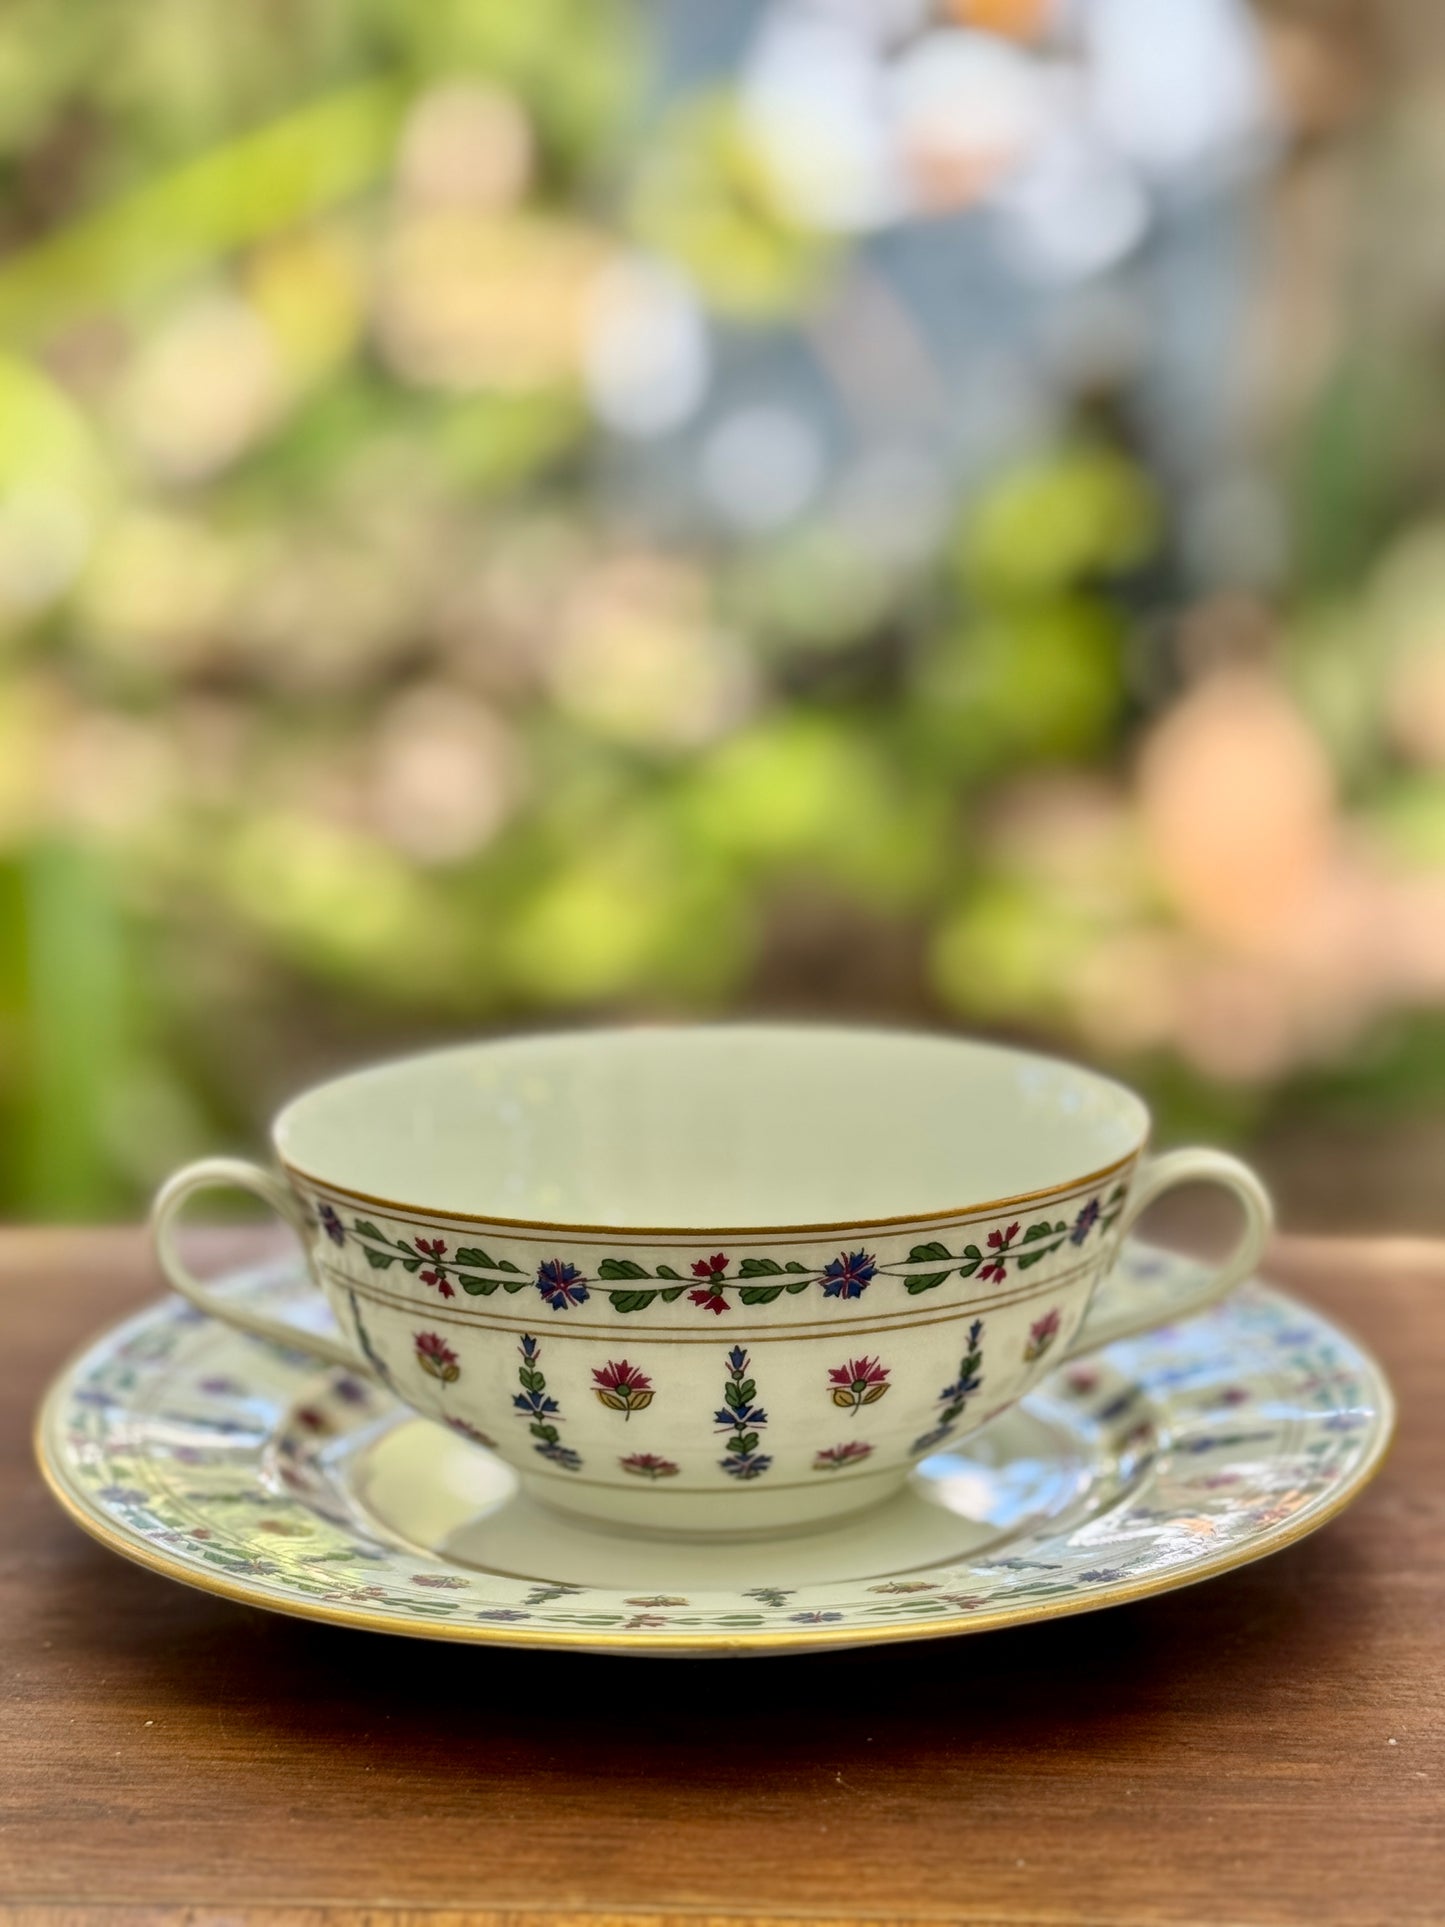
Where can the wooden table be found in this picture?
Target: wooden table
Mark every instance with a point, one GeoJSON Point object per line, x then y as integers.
{"type": "Point", "coordinates": [1262, 1748]}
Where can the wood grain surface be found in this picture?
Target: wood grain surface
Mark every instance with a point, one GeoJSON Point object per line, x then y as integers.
{"type": "Point", "coordinates": [1263, 1748]}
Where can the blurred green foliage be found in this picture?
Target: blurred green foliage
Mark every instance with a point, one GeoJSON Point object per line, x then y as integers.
{"type": "Point", "coordinates": [339, 708]}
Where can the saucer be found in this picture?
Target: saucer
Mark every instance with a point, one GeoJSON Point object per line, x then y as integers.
{"type": "Point", "coordinates": [231, 1464]}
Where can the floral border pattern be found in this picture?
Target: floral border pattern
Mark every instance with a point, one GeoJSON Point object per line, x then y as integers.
{"type": "Point", "coordinates": [716, 1283]}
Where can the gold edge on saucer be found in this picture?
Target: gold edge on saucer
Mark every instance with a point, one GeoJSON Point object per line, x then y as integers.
{"type": "Point", "coordinates": [1146, 1586]}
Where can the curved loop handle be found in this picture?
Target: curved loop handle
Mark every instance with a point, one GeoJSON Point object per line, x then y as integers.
{"type": "Point", "coordinates": [209, 1174]}
{"type": "Point", "coordinates": [1120, 1314]}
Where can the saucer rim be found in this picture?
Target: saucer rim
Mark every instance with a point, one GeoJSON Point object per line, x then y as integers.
{"type": "Point", "coordinates": [776, 1640]}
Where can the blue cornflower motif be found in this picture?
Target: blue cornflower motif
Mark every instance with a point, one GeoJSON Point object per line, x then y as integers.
{"type": "Point", "coordinates": [537, 1403]}
{"type": "Point", "coordinates": [742, 1468]}
{"type": "Point", "coordinates": [1085, 1222]}
{"type": "Point", "coordinates": [848, 1275]}
{"type": "Point", "coordinates": [561, 1284]}
{"type": "Point", "coordinates": [331, 1224]}
{"type": "Point", "coordinates": [961, 1387]}
{"type": "Point", "coordinates": [738, 1359]}
{"type": "Point", "coordinates": [743, 1415]}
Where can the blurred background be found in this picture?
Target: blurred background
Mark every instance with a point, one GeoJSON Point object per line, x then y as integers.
{"type": "Point", "coordinates": [916, 510]}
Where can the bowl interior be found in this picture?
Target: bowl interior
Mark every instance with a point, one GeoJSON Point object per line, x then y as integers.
{"type": "Point", "coordinates": [710, 1127]}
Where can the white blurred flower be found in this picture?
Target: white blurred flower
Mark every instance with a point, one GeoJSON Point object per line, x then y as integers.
{"type": "Point", "coordinates": [1071, 208]}
{"type": "Point", "coordinates": [762, 466]}
{"type": "Point", "coordinates": [1181, 92]}
{"type": "Point", "coordinates": [645, 355]}
{"type": "Point", "coordinates": [964, 109]}
{"type": "Point", "coordinates": [894, 502]}
{"type": "Point", "coordinates": [811, 99]}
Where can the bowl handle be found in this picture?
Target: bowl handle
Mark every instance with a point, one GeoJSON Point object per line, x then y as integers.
{"type": "Point", "coordinates": [211, 1174]}
{"type": "Point", "coordinates": [1118, 1312]}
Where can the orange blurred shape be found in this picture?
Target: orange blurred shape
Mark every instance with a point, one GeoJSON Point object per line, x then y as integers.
{"type": "Point", "coordinates": [1237, 801]}
{"type": "Point", "coordinates": [1416, 705]}
{"type": "Point", "coordinates": [1014, 19]}
{"type": "Point", "coordinates": [1235, 1021]}
{"type": "Point", "coordinates": [444, 773]}
{"type": "Point", "coordinates": [943, 178]}
{"type": "Point", "coordinates": [1412, 933]}
{"type": "Point", "coordinates": [1322, 71]}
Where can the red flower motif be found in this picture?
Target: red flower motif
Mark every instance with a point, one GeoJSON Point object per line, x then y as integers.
{"type": "Point", "coordinates": [859, 1371]}
{"type": "Point", "coordinates": [619, 1376]}
{"type": "Point", "coordinates": [840, 1455]}
{"type": "Point", "coordinates": [473, 1432]}
{"type": "Point", "coordinates": [862, 1381]}
{"type": "Point", "coordinates": [436, 1357]}
{"type": "Point", "coordinates": [622, 1387]}
{"type": "Point", "coordinates": [435, 1249]}
{"type": "Point", "coordinates": [713, 1269]}
{"type": "Point", "coordinates": [647, 1465]}
{"type": "Point", "coordinates": [998, 1243]}
{"type": "Point", "coordinates": [1042, 1334]}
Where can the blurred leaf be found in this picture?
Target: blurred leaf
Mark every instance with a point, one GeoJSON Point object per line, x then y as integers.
{"type": "Point", "coordinates": [1080, 513]}
{"type": "Point", "coordinates": [237, 193]}
{"type": "Point", "coordinates": [628, 916]}
{"type": "Point", "coordinates": [64, 932]}
{"type": "Point", "coordinates": [1345, 467]}
{"type": "Point", "coordinates": [1410, 817]}
{"type": "Point", "coordinates": [705, 199]}
{"type": "Point", "coordinates": [1038, 683]}
{"type": "Point", "coordinates": [1008, 953]}
{"type": "Point", "coordinates": [488, 444]}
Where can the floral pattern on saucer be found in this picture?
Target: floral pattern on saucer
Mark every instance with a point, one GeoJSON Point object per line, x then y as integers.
{"type": "Point", "coordinates": [1241, 1428]}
